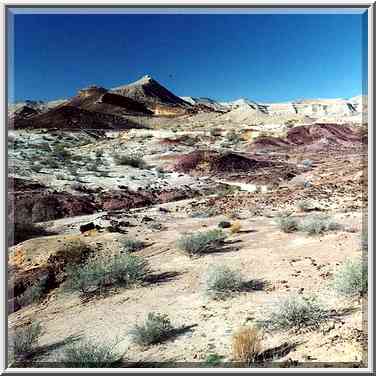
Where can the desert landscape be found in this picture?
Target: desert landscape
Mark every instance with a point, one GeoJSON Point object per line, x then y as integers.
{"type": "Point", "coordinates": [147, 229]}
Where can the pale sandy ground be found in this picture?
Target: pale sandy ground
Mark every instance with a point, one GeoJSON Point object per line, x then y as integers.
{"type": "Point", "coordinates": [286, 262]}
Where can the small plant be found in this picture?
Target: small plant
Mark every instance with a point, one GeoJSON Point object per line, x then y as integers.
{"type": "Point", "coordinates": [132, 245]}
{"type": "Point", "coordinates": [156, 328]}
{"type": "Point", "coordinates": [235, 227]}
{"type": "Point", "coordinates": [61, 177]}
{"type": "Point", "coordinates": [351, 279]}
{"type": "Point", "coordinates": [296, 312]}
{"type": "Point", "coordinates": [233, 137]}
{"type": "Point", "coordinates": [25, 338]}
{"type": "Point", "coordinates": [90, 355]}
{"type": "Point", "coordinates": [51, 163]}
{"type": "Point", "coordinates": [304, 205]}
{"type": "Point", "coordinates": [130, 160]}
{"type": "Point", "coordinates": [318, 224]}
{"type": "Point", "coordinates": [287, 224]}
{"type": "Point", "coordinates": [213, 360]}
{"type": "Point", "coordinates": [221, 282]}
{"type": "Point", "coordinates": [246, 344]}
{"type": "Point", "coordinates": [206, 213]}
{"type": "Point", "coordinates": [101, 272]}
{"type": "Point", "coordinates": [201, 242]}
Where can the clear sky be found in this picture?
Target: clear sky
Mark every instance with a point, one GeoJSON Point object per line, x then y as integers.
{"type": "Point", "coordinates": [263, 57]}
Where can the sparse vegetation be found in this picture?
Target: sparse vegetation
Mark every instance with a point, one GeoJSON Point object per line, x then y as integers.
{"type": "Point", "coordinates": [213, 360]}
{"type": "Point", "coordinates": [235, 227]}
{"type": "Point", "coordinates": [296, 312]}
{"type": "Point", "coordinates": [351, 279]}
{"type": "Point", "coordinates": [205, 213]}
{"type": "Point", "coordinates": [156, 329]}
{"type": "Point", "coordinates": [233, 137]}
{"type": "Point", "coordinates": [32, 294]}
{"type": "Point", "coordinates": [318, 224]}
{"type": "Point", "coordinates": [246, 344]}
{"type": "Point", "coordinates": [132, 245]}
{"type": "Point", "coordinates": [287, 224]}
{"type": "Point", "coordinates": [132, 160]}
{"type": "Point", "coordinates": [221, 282]}
{"type": "Point", "coordinates": [99, 273]}
{"type": "Point", "coordinates": [201, 242]}
{"type": "Point", "coordinates": [304, 205]}
{"type": "Point", "coordinates": [90, 355]}
{"type": "Point", "coordinates": [25, 338]}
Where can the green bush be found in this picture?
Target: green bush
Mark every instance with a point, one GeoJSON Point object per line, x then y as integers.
{"type": "Point", "coordinates": [130, 160]}
{"type": "Point", "coordinates": [99, 273]}
{"type": "Point", "coordinates": [201, 242]}
{"type": "Point", "coordinates": [213, 360]}
{"type": "Point", "coordinates": [156, 328]}
{"type": "Point", "coordinates": [221, 282]}
{"type": "Point", "coordinates": [90, 355]}
{"type": "Point", "coordinates": [132, 245]}
{"type": "Point", "coordinates": [352, 278]}
{"type": "Point", "coordinates": [287, 224]}
{"type": "Point", "coordinates": [25, 338]}
{"type": "Point", "coordinates": [296, 312]}
{"type": "Point", "coordinates": [318, 224]}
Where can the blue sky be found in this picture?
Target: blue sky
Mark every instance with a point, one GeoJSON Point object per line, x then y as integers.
{"type": "Point", "coordinates": [264, 57]}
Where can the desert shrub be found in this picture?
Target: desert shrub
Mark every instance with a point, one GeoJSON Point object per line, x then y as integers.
{"type": "Point", "coordinates": [90, 355]}
{"type": "Point", "coordinates": [25, 338]}
{"type": "Point", "coordinates": [222, 281]}
{"type": "Point", "coordinates": [246, 344]}
{"type": "Point", "coordinates": [296, 312]}
{"type": "Point", "coordinates": [235, 227]}
{"type": "Point", "coordinates": [201, 242]}
{"type": "Point", "coordinates": [100, 272]}
{"type": "Point", "coordinates": [36, 167]}
{"type": "Point", "coordinates": [318, 224]}
{"type": "Point", "coordinates": [233, 137]}
{"type": "Point", "coordinates": [51, 162]}
{"type": "Point", "coordinates": [130, 160]}
{"type": "Point", "coordinates": [206, 213]}
{"type": "Point", "coordinates": [351, 279]}
{"type": "Point", "coordinates": [60, 152]}
{"type": "Point", "coordinates": [156, 328]}
{"type": "Point", "coordinates": [287, 224]}
{"type": "Point", "coordinates": [213, 360]}
{"type": "Point", "coordinates": [132, 245]}
{"type": "Point", "coordinates": [304, 205]}
{"type": "Point", "coordinates": [62, 177]}
{"type": "Point", "coordinates": [33, 293]}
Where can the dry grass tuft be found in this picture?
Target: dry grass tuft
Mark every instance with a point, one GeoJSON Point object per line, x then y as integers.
{"type": "Point", "coordinates": [235, 227]}
{"type": "Point", "coordinates": [246, 344]}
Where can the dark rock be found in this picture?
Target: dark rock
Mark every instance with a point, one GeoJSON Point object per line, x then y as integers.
{"type": "Point", "coordinates": [224, 224]}
{"type": "Point", "coordinates": [87, 227]}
